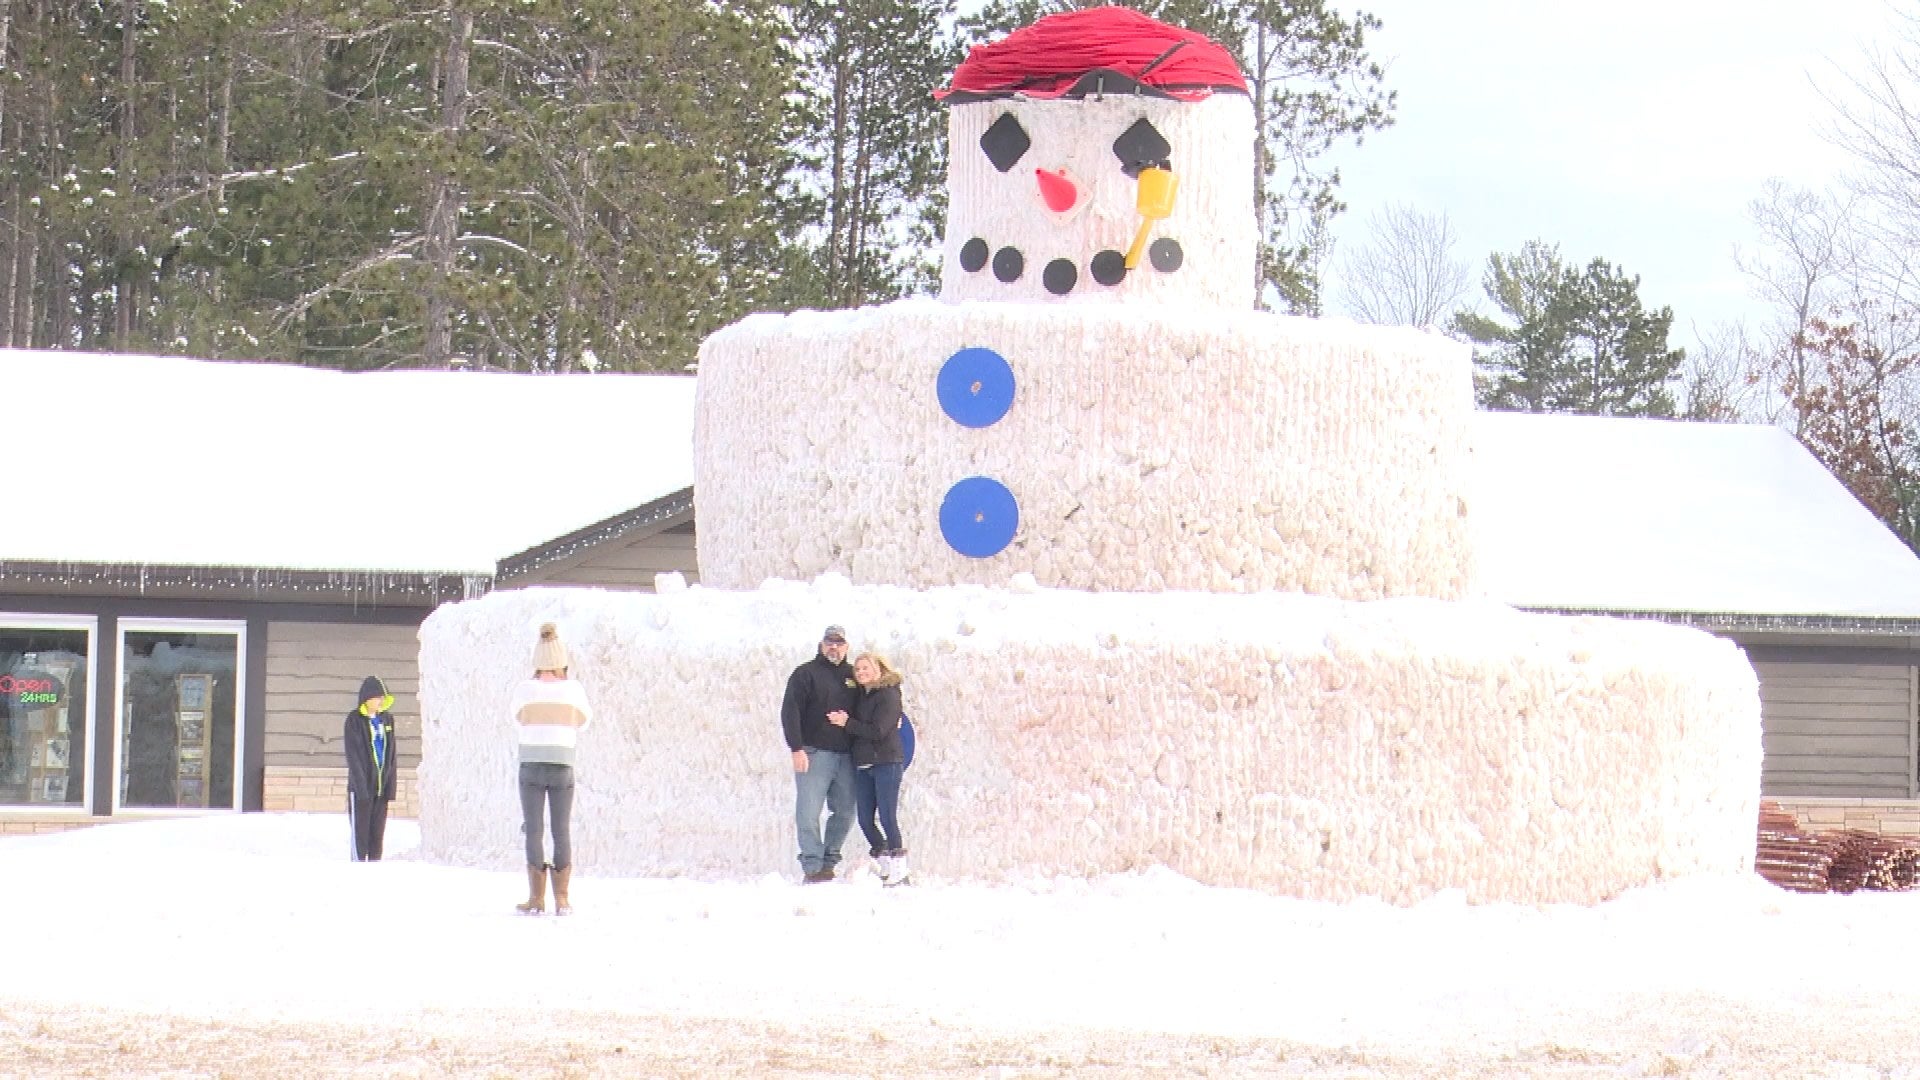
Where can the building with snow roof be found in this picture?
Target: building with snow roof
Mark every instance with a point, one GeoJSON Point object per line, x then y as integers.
{"type": "Point", "coordinates": [201, 560]}
{"type": "Point", "coordinates": [1737, 529]}
{"type": "Point", "coordinates": [247, 541]}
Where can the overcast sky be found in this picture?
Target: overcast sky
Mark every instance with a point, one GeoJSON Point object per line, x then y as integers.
{"type": "Point", "coordinates": [1636, 131]}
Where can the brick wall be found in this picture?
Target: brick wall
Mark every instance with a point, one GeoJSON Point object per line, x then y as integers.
{"type": "Point", "coordinates": [1882, 817]}
{"type": "Point", "coordinates": [27, 826]}
{"type": "Point", "coordinates": [320, 791]}
{"type": "Point", "coordinates": [324, 791]}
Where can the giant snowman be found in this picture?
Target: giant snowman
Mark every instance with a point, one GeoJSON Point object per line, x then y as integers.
{"type": "Point", "coordinates": [1173, 582]}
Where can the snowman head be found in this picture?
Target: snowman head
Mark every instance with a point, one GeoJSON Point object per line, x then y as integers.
{"type": "Point", "coordinates": [1100, 156]}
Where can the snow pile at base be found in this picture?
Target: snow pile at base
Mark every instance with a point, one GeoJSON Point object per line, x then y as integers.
{"type": "Point", "coordinates": [1294, 744]}
{"type": "Point", "coordinates": [1147, 449]}
{"type": "Point", "coordinates": [262, 915]}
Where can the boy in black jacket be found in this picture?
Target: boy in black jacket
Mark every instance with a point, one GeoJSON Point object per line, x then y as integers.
{"type": "Point", "coordinates": [371, 754]}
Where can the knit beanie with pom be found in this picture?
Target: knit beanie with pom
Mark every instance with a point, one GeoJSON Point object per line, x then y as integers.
{"type": "Point", "coordinates": [549, 654]}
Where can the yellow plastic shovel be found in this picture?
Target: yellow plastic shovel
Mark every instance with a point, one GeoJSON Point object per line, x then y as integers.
{"type": "Point", "coordinates": [1154, 201]}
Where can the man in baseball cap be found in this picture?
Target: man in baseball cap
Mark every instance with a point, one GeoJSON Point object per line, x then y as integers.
{"type": "Point", "coordinates": [822, 753]}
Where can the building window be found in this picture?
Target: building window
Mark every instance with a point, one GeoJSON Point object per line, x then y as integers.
{"type": "Point", "coordinates": [43, 712]}
{"type": "Point", "coordinates": [179, 709]}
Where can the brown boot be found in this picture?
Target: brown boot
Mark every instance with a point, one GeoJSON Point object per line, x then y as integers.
{"type": "Point", "coordinates": [561, 879]}
{"type": "Point", "coordinates": [536, 892]}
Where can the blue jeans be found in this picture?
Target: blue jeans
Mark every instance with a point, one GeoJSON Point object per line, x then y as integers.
{"type": "Point", "coordinates": [828, 781]}
{"type": "Point", "coordinates": [877, 788]}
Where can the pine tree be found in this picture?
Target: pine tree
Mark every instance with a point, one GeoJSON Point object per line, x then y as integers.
{"type": "Point", "coordinates": [872, 189]}
{"type": "Point", "coordinates": [1577, 340]}
{"type": "Point", "coordinates": [70, 134]}
{"type": "Point", "coordinates": [525, 185]}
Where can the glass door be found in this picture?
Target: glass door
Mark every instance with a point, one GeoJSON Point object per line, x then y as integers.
{"type": "Point", "coordinates": [180, 694]}
{"type": "Point", "coordinates": [45, 684]}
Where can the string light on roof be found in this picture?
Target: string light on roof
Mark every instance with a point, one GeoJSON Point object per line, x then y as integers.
{"type": "Point", "coordinates": [593, 536]}
{"type": "Point", "coordinates": [432, 587]}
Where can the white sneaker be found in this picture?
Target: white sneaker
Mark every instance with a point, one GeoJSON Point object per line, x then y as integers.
{"type": "Point", "coordinates": [896, 869]}
{"type": "Point", "coordinates": [884, 863]}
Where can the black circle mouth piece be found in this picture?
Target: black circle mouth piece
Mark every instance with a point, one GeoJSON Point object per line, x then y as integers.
{"type": "Point", "coordinates": [973, 255]}
{"type": "Point", "coordinates": [1060, 276]}
{"type": "Point", "coordinates": [1009, 264]}
{"type": "Point", "coordinates": [1166, 255]}
{"type": "Point", "coordinates": [1109, 267]}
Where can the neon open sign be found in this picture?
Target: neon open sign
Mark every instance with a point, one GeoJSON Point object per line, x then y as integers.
{"type": "Point", "coordinates": [31, 688]}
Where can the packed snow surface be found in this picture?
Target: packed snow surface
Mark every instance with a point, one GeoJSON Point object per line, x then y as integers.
{"type": "Point", "coordinates": [256, 931]}
{"type": "Point", "coordinates": [1299, 744]}
{"type": "Point", "coordinates": [1146, 448]}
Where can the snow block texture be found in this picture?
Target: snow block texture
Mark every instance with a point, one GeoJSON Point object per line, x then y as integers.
{"type": "Point", "coordinates": [1209, 149]}
{"type": "Point", "coordinates": [1292, 744]}
{"type": "Point", "coordinates": [1147, 449]}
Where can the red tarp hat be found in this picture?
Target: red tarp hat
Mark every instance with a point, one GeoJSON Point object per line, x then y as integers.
{"type": "Point", "coordinates": [1107, 50]}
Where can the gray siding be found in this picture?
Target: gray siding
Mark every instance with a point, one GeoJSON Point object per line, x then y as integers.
{"type": "Point", "coordinates": [1774, 642]}
{"type": "Point", "coordinates": [313, 675]}
{"type": "Point", "coordinates": [628, 564]}
{"type": "Point", "coordinates": [1837, 729]}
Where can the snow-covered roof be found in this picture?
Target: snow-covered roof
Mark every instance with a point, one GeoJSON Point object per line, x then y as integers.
{"type": "Point", "coordinates": [166, 461]}
{"type": "Point", "coordinates": [1591, 513]}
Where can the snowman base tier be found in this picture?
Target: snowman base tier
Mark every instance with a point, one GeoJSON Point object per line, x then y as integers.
{"type": "Point", "coordinates": [1296, 745]}
{"type": "Point", "coordinates": [1140, 448]}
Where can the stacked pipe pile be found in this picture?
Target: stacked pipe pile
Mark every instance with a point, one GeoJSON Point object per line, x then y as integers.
{"type": "Point", "coordinates": [1841, 862]}
{"type": "Point", "coordinates": [1790, 858]}
{"type": "Point", "coordinates": [1866, 861]}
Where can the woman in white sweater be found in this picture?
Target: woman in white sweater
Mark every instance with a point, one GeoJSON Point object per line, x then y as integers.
{"type": "Point", "coordinates": [549, 710]}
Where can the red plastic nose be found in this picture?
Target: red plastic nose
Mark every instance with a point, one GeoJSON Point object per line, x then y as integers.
{"type": "Point", "coordinates": [1057, 190]}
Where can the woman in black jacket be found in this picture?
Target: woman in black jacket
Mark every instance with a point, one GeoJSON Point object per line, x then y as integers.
{"type": "Point", "coordinates": [879, 760]}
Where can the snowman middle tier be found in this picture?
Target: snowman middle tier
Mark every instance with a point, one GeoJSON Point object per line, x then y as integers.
{"type": "Point", "coordinates": [1139, 449]}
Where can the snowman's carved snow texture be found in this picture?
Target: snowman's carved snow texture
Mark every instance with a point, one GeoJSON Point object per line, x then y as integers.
{"type": "Point", "coordinates": [1091, 141]}
{"type": "Point", "coordinates": [1199, 464]}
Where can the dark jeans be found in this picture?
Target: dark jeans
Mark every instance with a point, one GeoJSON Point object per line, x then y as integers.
{"type": "Point", "coordinates": [541, 785]}
{"type": "Point", "coordinates": [877, 789]}
{"type": "Point", "coordinates": [369, 827]}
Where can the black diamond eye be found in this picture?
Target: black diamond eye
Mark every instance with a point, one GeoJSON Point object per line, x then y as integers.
{"type": "Point", "coordinates": [1140, 147]}
{"type": "Point", "coordinates": [1005, 142]}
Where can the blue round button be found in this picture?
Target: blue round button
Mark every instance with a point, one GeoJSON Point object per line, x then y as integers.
{"type": "Point", "coordinates": [975, 387]}
{"type": "Point", "coordinates": [978, 517]}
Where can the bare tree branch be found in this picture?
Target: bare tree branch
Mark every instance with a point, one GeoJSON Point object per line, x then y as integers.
{"type": "Point", "coordinates": [1406, 273]}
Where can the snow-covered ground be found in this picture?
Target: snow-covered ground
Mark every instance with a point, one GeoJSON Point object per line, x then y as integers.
{"type": "Point", "coordinates": [250, 945]}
